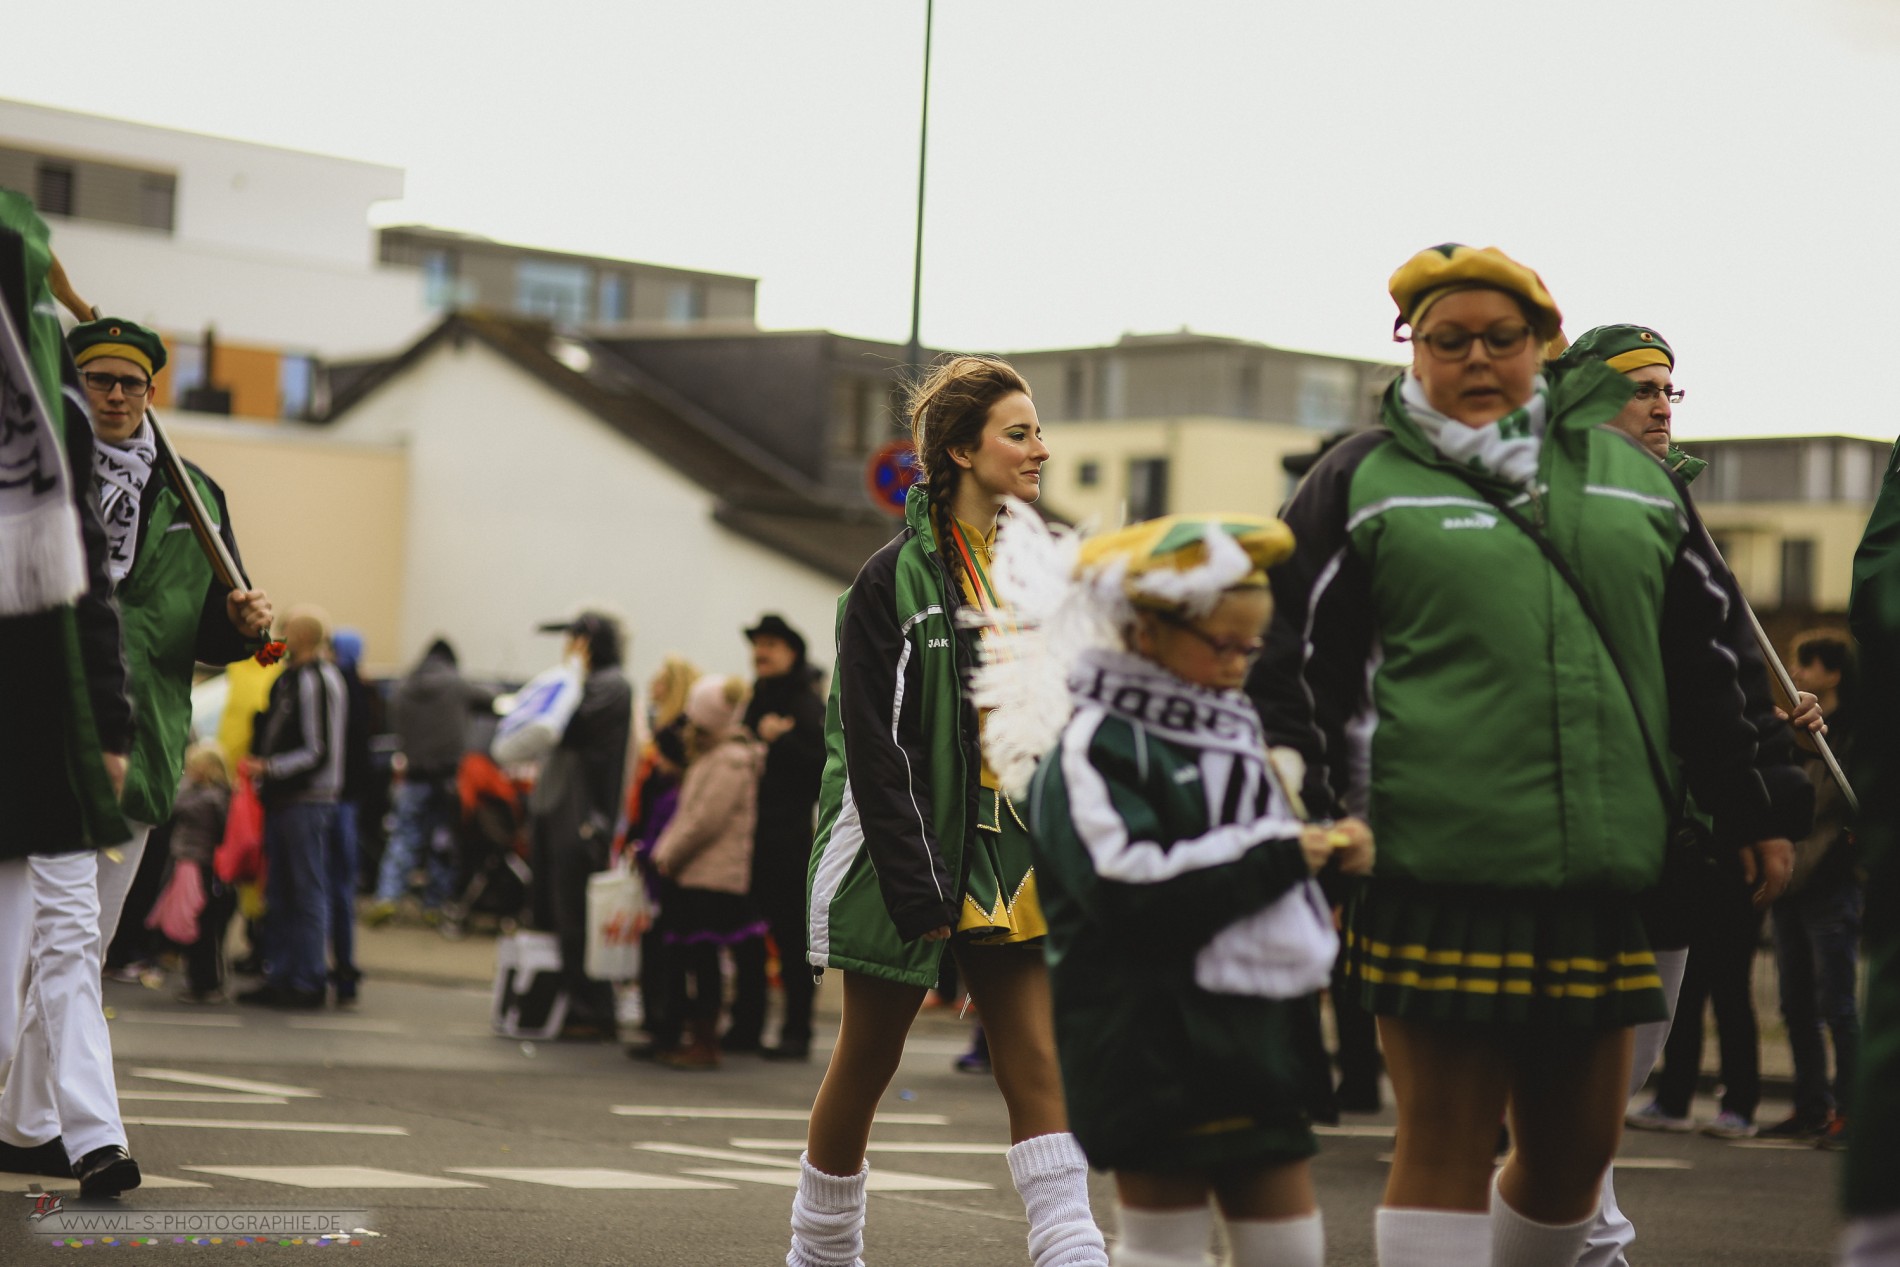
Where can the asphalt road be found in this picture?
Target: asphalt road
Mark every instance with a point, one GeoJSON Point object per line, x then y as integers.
{"type": "Point", "coordinates": [464, 1148]}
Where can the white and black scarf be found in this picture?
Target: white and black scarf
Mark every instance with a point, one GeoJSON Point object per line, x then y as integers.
{"type": "Point", "coordinates": [121, 472]}
{"type": "Point", "coordinates": [1153, 699]}
{"type": "Point", "coordinates": [42, 557]}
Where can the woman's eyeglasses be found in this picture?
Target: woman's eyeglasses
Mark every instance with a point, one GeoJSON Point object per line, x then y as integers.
{"type": "Point", "coordinates": [1453, 343]}
{"type": "Point", "coordinates": [130, 384]}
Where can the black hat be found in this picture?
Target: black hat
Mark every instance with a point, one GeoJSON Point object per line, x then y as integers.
{"type": "Point", "coordinates": [774, 624]}
{"type": "Point", "coordinates": [601, 631]}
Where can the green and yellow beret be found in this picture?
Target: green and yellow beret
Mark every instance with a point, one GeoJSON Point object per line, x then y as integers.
{"type": "Point", "coordinates": [1187, 561]}
{"type": "Point", "coordinates": [1440, 270]}
{"type": "Point", "coordinates": [115, 336]}
{"type": "Point", "coordinates": [1624, 348]}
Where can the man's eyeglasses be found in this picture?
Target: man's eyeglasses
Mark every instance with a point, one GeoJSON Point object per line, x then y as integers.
{"type": "Point", "coordinates": [1646, 392]}
{"type": "Point", "coordinates": [1453, 343]}
{"type": "Point", "coordinates": [1222, 647]}
{"type": "Point", "coordinates": [130, 384]}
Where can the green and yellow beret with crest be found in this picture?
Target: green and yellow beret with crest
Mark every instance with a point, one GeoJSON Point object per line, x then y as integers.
{"type": "Point", "coordinates": [1624, 348]}
{"type": "Point", "coordinates": [115, 336]}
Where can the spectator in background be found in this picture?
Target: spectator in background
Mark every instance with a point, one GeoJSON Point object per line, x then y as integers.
{"type": "Point", "coordinates": [786, 714]}
{"type": "Point", "coordinates": [204, 800]}
{"type": "Point", "coordinates": [430, 715]}
{"type": "Point", "coordinates": [345, 842]}
{"type": "Point", "coordinates": [1817, 921]}
{"type": "Point", "coordinates": [650, 806]}
{"type": "Point", "coordinates": [573, 808]}
{"type": "Point", "coordinates": [706, 850]}
{"type": "Point", "coordinates": [299, 765]}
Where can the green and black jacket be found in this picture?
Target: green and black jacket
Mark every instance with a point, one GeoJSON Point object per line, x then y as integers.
{"type": "Point", "coordinates": [901, 764]}
{"type": "Point", "coordinates": [1440, 677]}
{"type": "Point", "coordinates": [173, 611]}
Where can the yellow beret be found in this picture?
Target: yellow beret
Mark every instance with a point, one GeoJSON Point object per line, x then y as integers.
{"type": "Point", "coordinates": [1437, 271]}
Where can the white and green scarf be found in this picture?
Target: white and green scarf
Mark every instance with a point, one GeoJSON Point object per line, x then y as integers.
{"type": "Point", "coordinates": [1507, 448]}
{"type": "Point", "coordinates": [42, 558]}
{"type": "Point", "coordinates": [121, 472]}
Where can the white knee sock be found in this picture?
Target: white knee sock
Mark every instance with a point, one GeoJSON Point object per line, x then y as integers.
{"type": "Point", "coordinates": [827, 1218]}
{"type": "Point", "coordinates": [1299, 1242]}
{"type": "Point", "coordinates": [1432, 1238]}
{"type": "Point", "coordinates": [1164, 1238]}
{"type": "Point", "coordinates": [1053, 1177]}
{"type": "Point", "coordinates": [1520, 1242]}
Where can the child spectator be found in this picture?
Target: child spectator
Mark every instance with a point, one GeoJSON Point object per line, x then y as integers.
{"type": "Point", "coordinates": [204, 799]}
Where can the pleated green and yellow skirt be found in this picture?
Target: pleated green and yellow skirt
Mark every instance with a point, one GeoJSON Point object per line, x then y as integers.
{"type": "Point", "coordinates": [1472, 956]}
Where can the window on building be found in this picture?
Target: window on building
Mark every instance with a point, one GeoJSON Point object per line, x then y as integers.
{"type": "Point", "coordinates": [847, 417]}
{"type": "Point", "coordinates": [439, 290]}
{"type": "Point", "coordinates": [296, 386]}
{"type": "Point", "coordinates": [1072, 381]}
{"type": "Point", "coordinates": [1817, 471]}
{"type": "Point", "coordinates": [1088, 474]}
{"type": "Point", "coordinates": [186, 365]}
{"type": "Point", "coordinates": [53, 189]}
{"type": "Point", "coordinates": [613, 297]}
{"type": "Point", "coordinates": [1325, 395]}
{"type": "Point", "coordinates": [1857, 472]}
{"type": "Point", "coordinates": [685, 302]}
{"type": "Point", "coordinates": [1247, 399]}
{"type": "Point", "coordinates": [157, 202]}
{"type": "Point", "coordinates": [1797, 573]}
{"type": "Point", "coordinates": [1147, 488]}
{"type": "Point", "coordinates": [1111, 381]}
{"type": "Point", "coordinates": [545, 288]}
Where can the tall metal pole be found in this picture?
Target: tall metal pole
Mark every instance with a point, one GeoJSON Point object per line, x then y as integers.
{"type": "Point", "coordinates": [915, 354]}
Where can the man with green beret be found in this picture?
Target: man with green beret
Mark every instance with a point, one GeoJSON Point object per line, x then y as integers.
{"type": "Point", "coordinates": [1645, 358]}
{"type": "Point", "coordinates": [59, 1100]}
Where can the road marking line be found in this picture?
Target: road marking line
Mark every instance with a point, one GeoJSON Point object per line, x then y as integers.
{"type": "Point", "coordinates": [348, 1024]}
{"type": "Point", "coordinates": [1357, 1132]}
{"type": "Point", "coordinates": [894, 1146]}
{"type": "Point", "coordinates": [227, 1084]}
{"type": "Point", "coordinates": [876, 1181]}
{"type": "Point", "coordinates": [717, 1154]}
{"type": "Point", "coordinates": [213, 1021]}
{"type": "Point", "coordinates": [232, 1124]}
{"type": "Point", "coordinates": [1776, 1145]}
{"type": "Point", "coordinates": [767, 1115]}
{"type": "Point", "coordinates": [594, 1177]}
{"type": "Point", "coordinates": [203, 1097]}
{"type": "Point", "coordinates": [10, 1182]}
{"type": "Point", "coordinates": [335, 1177]}
{"type": "Point", "coordinates": [1653, 1163]}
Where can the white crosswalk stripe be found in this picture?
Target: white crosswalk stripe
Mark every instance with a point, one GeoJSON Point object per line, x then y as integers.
{"type": "Point", "coordinates": [765, 1115]}
{"type": "Point", "coordinates": [227, 1084]}
{"type": "Point", "coordinates": [784, 1173]}
{"type": "Point", "coordinates": [886, 1146]}
{"type": "Point", "coordinates": [624, 1180]}
{"type": "Point", "coordinates": [334, 1176]}
{"type": "Point", "coordinates": [232, 1124]}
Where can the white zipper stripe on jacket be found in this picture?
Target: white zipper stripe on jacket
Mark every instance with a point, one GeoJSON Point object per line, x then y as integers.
{"type": "Point", "coordinates": [1320, 585]}
{"type": "Point", "coordinates": [1631, 495]}
{"type": "Point", "coordinates": [910, 774]}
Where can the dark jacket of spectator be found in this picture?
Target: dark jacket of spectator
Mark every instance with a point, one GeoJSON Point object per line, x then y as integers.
{"type": "Point", "coordinates": [430, 714]}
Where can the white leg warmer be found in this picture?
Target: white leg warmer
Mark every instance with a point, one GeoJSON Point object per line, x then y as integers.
{"type": "Point", "coordinates": [1520, 1242]}
{"type": "Point", "coordinates": [1299, 1242]}
{"type": "Point", "coordinates": [1053, 1177]}
{"type": "Point", "coordinates": [1871, 1241]}
{"type": "Point", "coordinates": [827, 1218]}
{"type": "Point", "coordinates": [1164, 1238]}
{"type": "Point", "coordinates": [1431, 1238]}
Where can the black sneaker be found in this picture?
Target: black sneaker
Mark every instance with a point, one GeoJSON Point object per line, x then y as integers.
{"type": "Point", "coordinates": [106, 1172]}
{"type": "Point", "coordinates": [39, 1159]}
{"type": "Point", "coordinates": [1794, 1127]}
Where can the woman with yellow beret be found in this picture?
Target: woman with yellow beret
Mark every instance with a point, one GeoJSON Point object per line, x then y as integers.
{"type": "Point", "coordinates": [1498, 621]}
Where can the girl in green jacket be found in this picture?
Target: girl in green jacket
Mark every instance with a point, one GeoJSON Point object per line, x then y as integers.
{"type": "Point", "coordinates": [918, 848]}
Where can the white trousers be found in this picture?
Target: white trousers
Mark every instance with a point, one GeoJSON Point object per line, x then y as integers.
{"type": "Point", "coordinates": [1613, 1231]}
{"type": "Point", "coordinates": [57, 914]}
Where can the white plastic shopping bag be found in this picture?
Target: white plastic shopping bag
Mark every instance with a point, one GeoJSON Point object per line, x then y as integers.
{"type": "Point", "coordinates": [618, 915]}
{"type": "Point", "coordinates": [540, 714]}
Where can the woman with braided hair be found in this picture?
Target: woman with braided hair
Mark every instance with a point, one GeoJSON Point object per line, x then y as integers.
{"type": "Point", "coordinates": [918, 848]}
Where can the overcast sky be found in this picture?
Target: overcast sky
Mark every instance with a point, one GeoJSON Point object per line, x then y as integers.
{"type": "Point", "coordinates": [1724, 170]}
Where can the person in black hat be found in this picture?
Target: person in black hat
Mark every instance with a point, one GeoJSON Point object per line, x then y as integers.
{"type": "Point", "coordinates": [573, 807]}
{"type": "Point", "coordinates": [786, 713]}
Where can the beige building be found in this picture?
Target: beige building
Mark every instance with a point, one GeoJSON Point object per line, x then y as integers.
{"type": "Point", "coordinates": [1137, 468]}
{"type": "Point", "coordinates": [318, 520]}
